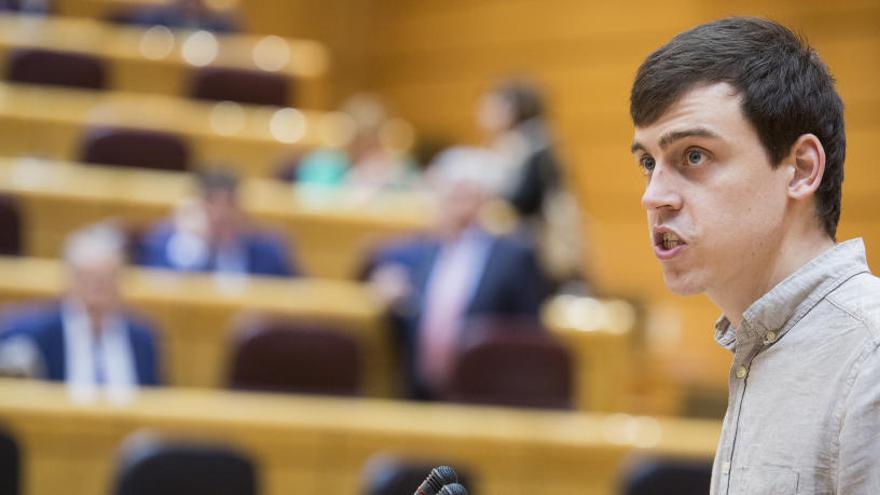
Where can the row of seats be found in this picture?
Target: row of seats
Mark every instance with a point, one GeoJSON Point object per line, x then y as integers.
{"type": "Point", "coordinates": [82, 70]}
{"type": "Point", "coordinates": [148, 464]}
{"type": "Point", "coordinates": [507, 365]}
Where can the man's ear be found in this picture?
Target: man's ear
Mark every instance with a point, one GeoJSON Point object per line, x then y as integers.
{"type": "Point", "coordinates": [807, 159]}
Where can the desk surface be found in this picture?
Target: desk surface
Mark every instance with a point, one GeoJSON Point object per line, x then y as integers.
{"type": "Point", "coordinates": [321, 444]}
{"type": "Point", "coordinates": [50, 121]}
{"type": "Point", "coordinates": [196, 312]}
{"type": "Point", "coordinates": [135, 44]}
{"type": "Point", "coordinates": [330, 230]}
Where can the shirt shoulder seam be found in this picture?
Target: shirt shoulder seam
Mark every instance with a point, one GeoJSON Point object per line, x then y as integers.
{"type": "Point", "coordinates": [873, 332]}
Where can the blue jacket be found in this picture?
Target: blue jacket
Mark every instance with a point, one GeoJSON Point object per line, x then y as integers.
{"type": "Point", "coordinates": [45, 327]}
{"type": "Point", "coordinates": [265, 254]}
{"type": "Point", "coordinates": [511, 284]}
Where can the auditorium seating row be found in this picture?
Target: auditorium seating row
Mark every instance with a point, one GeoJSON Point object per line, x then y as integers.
{"type": "Point", "coordinates": [203, 319]}
{"type": "Point", "coordinates": [52, 122]}
{"type": "Point", "coordinates": [161, 61]}
{"type": "Point", "coordinates": [319, 445]}
{"type": "Point", "coordinates": [331, 231]}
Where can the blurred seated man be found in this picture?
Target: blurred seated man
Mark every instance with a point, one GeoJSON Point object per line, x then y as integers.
{"type": "Point", "coordinates": [211, 234]}
{"type": "Point", "coordinates": [436, 284]}
{"type": "Point", "coordinates": [87, 337]}
{"type": "Point", "coordinates": [186, 14]}
{"type": "Point", "coordinates": [25, 6]}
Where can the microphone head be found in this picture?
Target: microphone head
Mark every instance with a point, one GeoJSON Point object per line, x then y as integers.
{"type": "Point", "coordinates": [440, 476]}
{"type": "Point", "coordinates": [453, 489]}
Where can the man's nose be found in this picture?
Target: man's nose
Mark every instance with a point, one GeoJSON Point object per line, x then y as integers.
{"type": "Point", "coordinates": [661, 191]}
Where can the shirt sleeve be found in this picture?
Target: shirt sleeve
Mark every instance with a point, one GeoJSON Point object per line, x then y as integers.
{"type": "Point", "coordinates": [858, 468]}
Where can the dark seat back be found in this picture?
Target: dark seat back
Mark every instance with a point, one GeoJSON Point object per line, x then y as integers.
{"type": "Point", "coordinates": [10, 227]}
{"type": "Point", "coordinates": [42, 66]}
{"type": "Point", "coordinates": [150, 466]}
{"type": "Point", "coordinates": [511, 362]}
{"type": "Point", "coordinates": [240, 85]}
{"type": "Point", "coordinates": [141, 148]}
{"type": "Point", "coordinates": [284, 355]}
{"type": "Point", "coordinates": [667, 477]}
{"type": "Point", "coordinates": [10, 464]}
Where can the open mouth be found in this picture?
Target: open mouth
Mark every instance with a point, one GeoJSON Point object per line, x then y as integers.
{"type": "Point", "coordinates": [667, 243]}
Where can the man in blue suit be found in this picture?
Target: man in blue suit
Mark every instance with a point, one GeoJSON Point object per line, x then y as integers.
{"type": "Point", "coordinates": [211, 234]}
{"type": "Point", "coordinates": [436, 284]}
{"type": "Point", "coordinates": [87, 338]}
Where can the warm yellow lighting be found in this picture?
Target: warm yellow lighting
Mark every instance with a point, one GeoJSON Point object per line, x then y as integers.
{"type": "Point", "coordinates": [200, 48]}
{"type": "Point", "coordinates": [157, 43]}
{"type": "Point", "coordinates": [271, 53]}
{"type": "Point", "coordinates": [287, 125]}
{"type": "Point", "coordinates": [227, 118]}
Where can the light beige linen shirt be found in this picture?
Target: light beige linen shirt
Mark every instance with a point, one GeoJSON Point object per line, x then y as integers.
{"type": "Point", "coordinates": [803, 414]}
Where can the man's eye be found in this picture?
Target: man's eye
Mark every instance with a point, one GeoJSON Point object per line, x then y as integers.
{"type": "Point", "coordinates": [647, 163]}
{"type": "Point", "coordinates": [695, 157]}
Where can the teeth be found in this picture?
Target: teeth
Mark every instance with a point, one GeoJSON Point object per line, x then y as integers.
{"type": "Point", "coordinates": [670, 240]}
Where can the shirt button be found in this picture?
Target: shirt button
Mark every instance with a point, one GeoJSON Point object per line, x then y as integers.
{"type": "Point", "coordinates": [741, 372]}
{"type": "Point", "coordinates": [770, 338]}
{"type": "Point", "coordinates": [725, 468]}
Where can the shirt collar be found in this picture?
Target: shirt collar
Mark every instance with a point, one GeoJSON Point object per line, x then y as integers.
{"type": "Point", "coordinates": [771, 316]}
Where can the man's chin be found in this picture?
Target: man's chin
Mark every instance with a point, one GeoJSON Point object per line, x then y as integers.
{"type": "Point", "coordinates": [682, 286]}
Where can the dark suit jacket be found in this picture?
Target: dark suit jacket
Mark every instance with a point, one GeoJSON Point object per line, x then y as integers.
{"type": "Point", "coordinates": [511, 284]}
{"type": "Point", "coordinates": [45, 327]}
{"type": "Point", "coordinates": [265, 254]}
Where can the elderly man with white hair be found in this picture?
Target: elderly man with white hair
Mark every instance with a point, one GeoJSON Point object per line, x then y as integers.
{"type": "Point", "coordinates": [435, 284]}
{"type": "Point", "coordinates": [86, 338]}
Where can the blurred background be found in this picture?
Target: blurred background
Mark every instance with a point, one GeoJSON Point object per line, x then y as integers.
{"type": "Point", "coordinates": [266, 246]}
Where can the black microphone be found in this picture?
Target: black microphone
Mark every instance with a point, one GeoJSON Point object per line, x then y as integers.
{"type": "Point", "coordinates": [453, 489]}
{"type": "Point", "coordinates": [440, 476]}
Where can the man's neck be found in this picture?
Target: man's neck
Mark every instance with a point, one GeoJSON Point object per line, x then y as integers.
{"type": "Point", "coordinates": [735, 297]}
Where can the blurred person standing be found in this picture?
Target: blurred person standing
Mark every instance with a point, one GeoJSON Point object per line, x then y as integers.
{"type": "Point", "coordinates": [87, 338]}
{"type": "Point", "coordinates": [436, 284]}
{"type": "Point", "coordinates": [212, 234]}
{"type": "Point", "coordinates": [513, 114]}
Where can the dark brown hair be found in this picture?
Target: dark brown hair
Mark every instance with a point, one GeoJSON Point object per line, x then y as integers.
{"type": "Point", "coordinates": [786, 91]}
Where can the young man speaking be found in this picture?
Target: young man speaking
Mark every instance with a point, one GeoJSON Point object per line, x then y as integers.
{"type": "Point", "coordinates": [739, 131]}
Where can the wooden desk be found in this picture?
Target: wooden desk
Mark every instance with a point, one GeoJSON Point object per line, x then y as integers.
{"type": "Point", "coordinates": [49, 122]}
{"type": "Point", "coordinates": [195, 313]}
{"type": "Point", "coordinates": [161, 61]}
{"type": "Point", "coordinates": [319, 446]}
{"type": "Point", "coordinates": [330, 230]}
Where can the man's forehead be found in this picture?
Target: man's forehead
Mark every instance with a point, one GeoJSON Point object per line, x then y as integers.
{"type": "Point", "coordinates": [711, 107]}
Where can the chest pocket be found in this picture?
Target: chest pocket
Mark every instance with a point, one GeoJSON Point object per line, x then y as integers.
{"type": "Point", "coordinates": [768, 480]}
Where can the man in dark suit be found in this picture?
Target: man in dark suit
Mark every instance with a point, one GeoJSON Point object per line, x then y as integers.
{"type": "Point", "coordinates": [87, 338]}
{"type": "Point", "coordinates": [211, 234]}
{"type": "Point", "coordinates": [435, 285]}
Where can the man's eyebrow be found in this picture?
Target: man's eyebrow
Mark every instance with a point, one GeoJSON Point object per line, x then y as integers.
{"type": "Point", "coordinates": [673, 136]}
